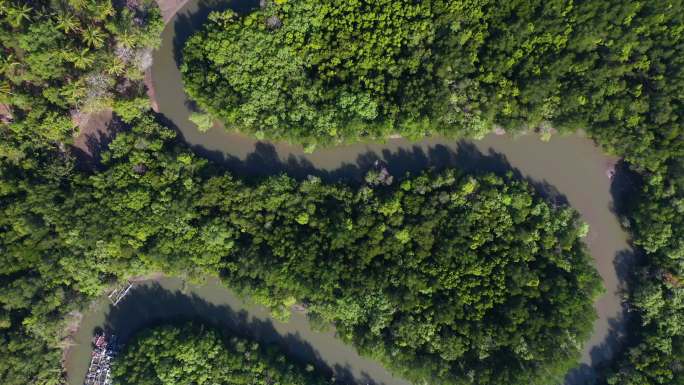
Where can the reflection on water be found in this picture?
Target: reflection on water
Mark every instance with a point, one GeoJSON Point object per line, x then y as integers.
{"type": "Point", "coordinates": [566, 169]}
{"type": "Point", "coordinates": [169, 300]}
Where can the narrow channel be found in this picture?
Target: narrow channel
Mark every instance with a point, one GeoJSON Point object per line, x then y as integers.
{"type": "Point", "coordinates": [171, 299]}
{"type": "Point", "coordinates": [568, 169]}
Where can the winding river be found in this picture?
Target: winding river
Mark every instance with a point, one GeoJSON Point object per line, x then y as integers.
{"type": "Point", "coordinates": [568, 169]}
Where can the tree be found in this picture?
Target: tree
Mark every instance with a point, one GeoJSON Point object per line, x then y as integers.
{"type": "Point", "coordinates": [203, 121]}
{"type": "Point", "coordinates": [93, 36]}
{"type": "Point", "coordinates": [67, 22]}
{"type": "Point", "coordinates": [200, 355]}
{"type": "Point", "coordinates": [17, 14]}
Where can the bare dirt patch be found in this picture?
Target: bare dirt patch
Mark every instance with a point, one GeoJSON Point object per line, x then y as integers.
{"type": "Point", "coordinates": [94, 130]}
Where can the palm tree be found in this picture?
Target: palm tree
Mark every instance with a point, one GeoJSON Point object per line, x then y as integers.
{"type": "Point", "coordinates": [94, 37]}
{"type": "Point", "coordinates": [103, 10]}
{"type": "Point", "coordinates": [126, 39]}
{"type": "Point", "coordinates": [67, 22]}
{"type": "Point", "coordinates": [17, 15]}
{"type": "Point", "coordinates": [73, 91]}
{"type": "Point", "coordinates": [116, 66]}
{"type": "Point", "coordinates": [5, 88]}
{"type": "Point", "coordinates": [7, 65]}
{"type": "Point", "coordinates": [81, 59]}
{"type": "Point", "coordinates": [78, 4]}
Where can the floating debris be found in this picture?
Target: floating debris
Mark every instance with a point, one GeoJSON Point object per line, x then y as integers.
{"type": "Point", "coordinates": [119, 293]}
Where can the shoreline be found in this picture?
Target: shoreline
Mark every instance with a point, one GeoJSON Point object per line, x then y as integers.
{"type": "Point", "coordinates": [286, 151]}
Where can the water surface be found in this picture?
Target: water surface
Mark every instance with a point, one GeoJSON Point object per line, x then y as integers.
{"type": "Point", "coordinates": [171, 299]}
{"type": "Point", "coordinates": [567, 169]}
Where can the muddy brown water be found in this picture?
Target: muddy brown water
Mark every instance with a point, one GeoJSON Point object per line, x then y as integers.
{"type": "Point", "coordinates": [568, 169]}
{"type": "Point", "coordinates": [173, 300]}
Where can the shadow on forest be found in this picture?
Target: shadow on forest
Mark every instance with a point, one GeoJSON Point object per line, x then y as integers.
{"type": "Point", "coordinates": [150, 304]}
{"type": "Point", "coordinates": [188, 23]}
{"type": "Point", "coordinates": [96, 142]}
{"type": "Point", "coordinates": [264, 161]}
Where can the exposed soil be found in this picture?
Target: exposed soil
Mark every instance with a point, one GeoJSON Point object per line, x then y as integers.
{"type": "Point", "coordinates": [94, 130]}
{"type": "Point", "coordinates": [5, 113]}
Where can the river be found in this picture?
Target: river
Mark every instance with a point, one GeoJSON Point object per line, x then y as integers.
{"type": "Point", "coordinates": [569, 169]}
{"type": "Point", "coordinates": [171, 299]}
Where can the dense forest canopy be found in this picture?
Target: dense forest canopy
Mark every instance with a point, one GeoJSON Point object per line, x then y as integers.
{"type": "Point", "coordinates": [325, 72]}
{"type": "Point", "coordinates": [195, 354]}
{"type": "Point", "coordinates": [59, 60]}
{"type": "Point", "coordinates": [63, 59]}
{"type": "Point", "coordinates": [446, 277]}
{"type": "Point", "coordinates": [613, 68]}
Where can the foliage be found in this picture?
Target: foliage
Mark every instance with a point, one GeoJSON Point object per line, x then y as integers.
{"type": "Point", "coordinates": [203, 121]}
{"type": "Point", "coordinates": [446, 277]}
{"type": "Point", "coordinates": [629, 97]}
{"type": "Point", "coordinates": [188, 354]}
{"type": "Point", "coordinates": [58, 59]}
{"type": "Point", "coordinates": [611, 68]}
{"type": "Point", "coordinates": [61, 58]}
{"type": "Point", "coordinates": [333, 70]}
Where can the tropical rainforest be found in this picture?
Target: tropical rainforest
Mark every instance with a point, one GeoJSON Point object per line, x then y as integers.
{"type": "Point", "coordinates": [455, 278]}
{"type": "Point", "coordinates": [192, 354]}
{"type": "Point", "coordinates": [448, 277]}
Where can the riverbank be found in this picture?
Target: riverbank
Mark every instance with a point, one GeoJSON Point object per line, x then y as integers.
{"type": "Point", "coordinates": [167, 299]}
{"type": "Point", "coordinates": [569, 169]}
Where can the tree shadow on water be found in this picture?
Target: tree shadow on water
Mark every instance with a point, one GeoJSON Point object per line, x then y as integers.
{"type": "Point", "coordinates": [150, 304]}
{"type": "Point", "coordinates": [265, 161]}
{"type": "Point", "coordinates": [624, 189]}
{"type": "Point", "coordinates": [617, 337]}
{"type": "Point", "coordinates": [600, 355]}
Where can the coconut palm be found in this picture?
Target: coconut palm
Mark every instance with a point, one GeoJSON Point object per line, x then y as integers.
{"type": "Point", "coordinates": [5, 88]}
{"type": "Point", "coordinates": [103, 10]}
{"type": "Point", "coordinates": [73, 91]}
{"type": "Point", "coordinates": [126, 39]}
{"type": "Point", "coordinates": [81, 59]}
{"type": "Point", "coordinates": [94, 36]}
{"type": "Point", "coordinates": [18, 14]}
{"type": "Point", "coordinates": [115, 66]}
{"type": "Point", "coordinates": [78, 5]}
{"type": "Point", "coordinates": [8, 64]}
{"type": "Point", "coordinates": [67, 23]}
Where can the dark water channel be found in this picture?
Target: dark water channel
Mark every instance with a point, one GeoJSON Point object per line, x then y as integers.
{"type": "Point", "coordinates": [566, 169]}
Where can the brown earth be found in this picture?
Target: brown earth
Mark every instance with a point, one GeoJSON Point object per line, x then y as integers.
{"type": "Point", "coordinates": [94, 129]}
